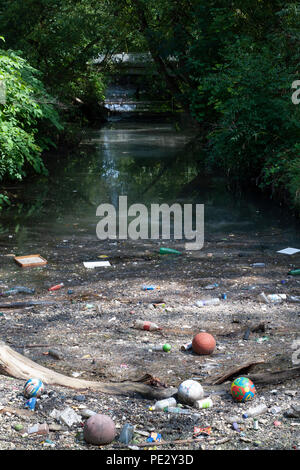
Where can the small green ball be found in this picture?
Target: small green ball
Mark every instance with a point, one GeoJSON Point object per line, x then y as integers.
{"type": "Point", "coordinates": [167, 347]}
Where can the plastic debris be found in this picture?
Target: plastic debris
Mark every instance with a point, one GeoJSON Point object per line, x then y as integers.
{"type": "Point", "coordinates": [17, 290]}
{"type": "Point", "coordinates": [154, 437]}
{"type": "Point", "coordinates": [255, 411]}
{"type": "Point", "coordinates": [146, 325]}
{"type": "Point", "coordinates": [205, 302]}
{"type": "Point", "coordinates": [96, 264]}
{"type": "Point", "coordinates": [161, 404]}
{"type": "Point", "coordinates": [126, 434]}
{"type": "Point", "coordinates": [169, 251]}
{"type": "Point", "coordinates": [38, 429]}
{"type": "Point", "coordinates": [57, 287]}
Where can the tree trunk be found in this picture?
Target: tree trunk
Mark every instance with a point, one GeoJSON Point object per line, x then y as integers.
{"type": "Point", "coordinates": [15, 365]}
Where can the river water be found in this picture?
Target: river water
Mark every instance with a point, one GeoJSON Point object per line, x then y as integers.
{"type": "Point", "coordinates": [148, 161]}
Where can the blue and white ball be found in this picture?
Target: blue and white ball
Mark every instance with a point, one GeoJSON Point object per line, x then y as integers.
{"type": "Point", "coordinates": [33, 388]}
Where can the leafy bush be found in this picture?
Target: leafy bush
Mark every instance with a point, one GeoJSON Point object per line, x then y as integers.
{"type": "Point", "coordinates": [25, 107]}
{"type": "Point", "coordinates": [256, 138]}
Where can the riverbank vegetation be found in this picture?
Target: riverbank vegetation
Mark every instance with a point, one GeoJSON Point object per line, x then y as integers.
{"type": "Point", "coordinates": [230, 65]}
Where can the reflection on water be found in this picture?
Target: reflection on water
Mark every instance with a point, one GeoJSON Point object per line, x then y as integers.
{"type": "Point", "coordinates": [148, 162]}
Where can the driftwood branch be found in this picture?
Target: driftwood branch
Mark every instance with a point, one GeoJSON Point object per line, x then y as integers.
{"type": "Point", "coordinates": [18, 366]}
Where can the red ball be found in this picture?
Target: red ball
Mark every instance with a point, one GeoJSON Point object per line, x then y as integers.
{"type": "Point", "coordinates": [99, 429]}
{"type": "Point", "coordinates": [203, 343]}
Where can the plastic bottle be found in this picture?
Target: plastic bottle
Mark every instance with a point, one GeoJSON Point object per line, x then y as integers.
{"type": "Point", "coordinates": [57, 287]}
{"type": "Point", "coordinates": [181, 411]}
{"type": "Point", "coordinates": [18, 290]}
{"type": "Point", "coordinates": [186, 347]}
{"type": "Point", "coordinates": [161, 404]}
{"type": "Point", "coordinates": [146, 325]}
{"type": "Point", "coordinates": [203, 303]}
{"type": "Point", "coordinates": [204, 403]}
{"type": "Point", "coordinates": [149, 287]}
{"type": "Point", "coordinates": [211, 286]}
{"type": "Point", "coordinates": [271, 298]}
{"type": "Point", "coordinates": [255, 424]}
{"type": "Point", "coordinates": [38, 429]}
{"type": "Point", "coordinates": [161, 347]}
{"type": "Point", "coordinates": [258, 265]}
{"type": "Point", "coordinates": [294, 272]}
{"type": "Point", "coordinates": [126, 434]}
{"type": "Point", "coordinates": [167, 251]}
{"type": "Point", "coordinates": [257, 410]}
{"type": "Point", "coordinates": [294, 298]}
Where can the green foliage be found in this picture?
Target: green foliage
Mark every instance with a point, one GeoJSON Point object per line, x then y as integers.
{"type": "Point", "coordinates": [26, 105]}
{"type": "Point", "coordinates": [229, 64]}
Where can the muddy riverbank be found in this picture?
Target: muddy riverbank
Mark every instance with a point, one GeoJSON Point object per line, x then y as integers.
{"type": "Point", "coordinates": [91, 327]}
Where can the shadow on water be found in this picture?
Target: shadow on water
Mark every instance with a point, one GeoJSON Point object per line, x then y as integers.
{"type": "Point", "coordinates": [147, 161]}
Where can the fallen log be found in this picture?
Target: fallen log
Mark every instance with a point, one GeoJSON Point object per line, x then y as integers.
{"type": "Point", "coordinates": [275, 377]}
{"type": "Point", "coordinates": [234, 371]}
{"type": "Point", "coordinates": [18, 366]}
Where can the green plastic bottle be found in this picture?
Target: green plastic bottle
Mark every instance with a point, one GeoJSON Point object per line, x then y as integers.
{"type": "Point", "coordinates": [169, 251]}
{"type": "Point", "coordinates": [294, 272]}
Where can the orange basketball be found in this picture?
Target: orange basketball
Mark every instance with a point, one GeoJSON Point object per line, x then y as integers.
{"type": "Point", "coordinates": [203, 343]}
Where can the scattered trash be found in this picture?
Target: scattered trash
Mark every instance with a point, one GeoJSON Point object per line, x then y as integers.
{"type": "Point", "coordinates": [294, 299]}
{"type": "Point", "coordinates": [211, 286]}
{"type": "Point", "coordinates": [271, 298]}
{"type": "Point", "coordinates": [204, 403]}
{"type": "Point", "coordinates": [18, 427]}
{"type": "Point", "coordinates": [198, 431]}
{"type": "Point", "coordinates": [150, 287]}
{"type": "Point", "coordinates": [154, 437]}
{"type": "Point", "coordinates": [86, 413]}
{"type": "Point", "coordinates": [289, 251]}
{"type": "Point", "coordinates": [146, 325]}
{"type": "Point", "coordinates": [126, 434]}
{"type": "Point", "coordinates": [205, 302]}
{"type": "Point", "coordinates": [30, 261]}
{"type": "Point", "coordinates": [258, 265]}
{"type": "Point", "coordinates": [38, 429]}
{"type": "Point", "coordinates": [255, 411]}
{"type": "Point", "coordinates": [263, 339]}
{"type": "Point", "coordinates": [31, 404]}
{"type": "Point", "coordinates": [224, 296]}
{"type": "Point", "coordinates": [68, 416]}
{"type": "Point", "coordinates": [186, 347]}
{"type": "Point", "coordinates": [161, 347]}
{"type": "Point", "coordinates": [57, 287]}
{"type": "Point", "coordinates": [255, 424]}
{"type": "Point", "coordinates": [236, 427]}
{"type": "Point", "coordinates": [294, 272]}
{"type": "Point", "coordinates": [17, 290]}
{"type": "Point", "coordinates": [169, 251]}
{"type": "Point", "coordinates": [96, 264]}
{"type": "Point", "coordinates": [180, 411]}
{"type": "Point", "coordinates": [161, 404]}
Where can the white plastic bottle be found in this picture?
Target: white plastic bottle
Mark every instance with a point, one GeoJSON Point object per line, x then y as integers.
{"type": "Point", "coordinates": [257, 410]}
{"type": "Point", "coordinates": [161, 404]}
{"type": "Point", "coordinates": [203, 303]}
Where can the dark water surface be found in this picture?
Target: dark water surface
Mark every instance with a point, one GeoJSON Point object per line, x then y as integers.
{"type": "Point", "coordinates": [146, 160]}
